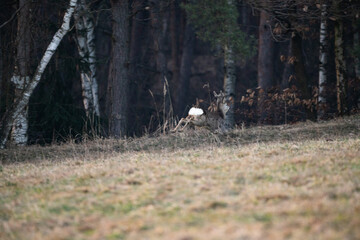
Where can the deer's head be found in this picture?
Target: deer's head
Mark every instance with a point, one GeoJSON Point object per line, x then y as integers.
{"type": "Point", "coordinates": [221, 104]}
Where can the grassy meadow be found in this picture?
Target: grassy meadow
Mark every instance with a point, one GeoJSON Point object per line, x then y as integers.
{"type": "Point", "coordinates": [297, 181]}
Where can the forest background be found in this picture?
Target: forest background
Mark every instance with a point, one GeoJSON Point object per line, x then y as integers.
{"type": "Point", "coordinates": [126, 68]}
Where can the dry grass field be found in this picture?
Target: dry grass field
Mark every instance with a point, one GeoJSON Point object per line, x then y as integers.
{"type": "Point", "coordinates": [297, 181]}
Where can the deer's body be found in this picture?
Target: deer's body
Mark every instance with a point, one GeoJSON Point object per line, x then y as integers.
{"type": "Point", "coordinates": [213, 118]}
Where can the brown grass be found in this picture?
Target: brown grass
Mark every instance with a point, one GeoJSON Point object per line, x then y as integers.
{"type": "Point", "coordinates": [274, 182]}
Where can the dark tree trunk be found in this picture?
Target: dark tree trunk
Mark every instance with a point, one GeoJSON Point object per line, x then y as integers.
{"type": "Point", "coordinates": [185, 69]}
{"type": "Point", "coordinates": [302, 81]}
{"type": "Point", "coordinates": [265, 62]}
{"type": "Point", "coordinates": [23, 39]}
{"type": "Point", "coordinates": [118, 85]}
{"type": "Point", "coordinates": [340, 68]}
{"type": "Point", "coordinates": [8, 40]}
{"type": "Point", "coordinates": [266, 53]}
{"type": "Point", "coordinates": [138, 47]}
{"type": "Point", "coordinates": [103, 51]}
{"type": "Point", "coordinates": [299, 65]}
{"type": "Point", "coordinates": [349, 48]}
{"type": "Point", "coordinates": [174, 33]}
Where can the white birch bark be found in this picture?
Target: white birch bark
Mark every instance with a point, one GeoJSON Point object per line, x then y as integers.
{"type": "Point", "coordinates": [229, 84]}
{"type": "Point", "coordinates": [23, 101]}
{"type": "Point", "coordinates": [322, 62]}
{"type": "Point", "coordinates": [21, 76]}
{"type": "Point", "coordinates": [20, 126]}
{"type": "Point", "coordinates": [86, 45]}
{"type": "Point", "coordinates": [229, 80]}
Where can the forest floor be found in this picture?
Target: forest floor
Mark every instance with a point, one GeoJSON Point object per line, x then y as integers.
{"type": "Point", "coordinates": [297, 181]}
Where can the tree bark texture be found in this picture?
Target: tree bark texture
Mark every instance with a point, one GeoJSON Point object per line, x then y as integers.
{"type": "Point", "coordinates": [357, 60]}
{"type": "Point", "coordinates": [21, 74]}
{"type": "Point", "coordinates": [229, 85]}
{"type": "Point", "coordinates": [266, 53]}
{"type": "Point", "coordinates": [118, 77]}
{"type": "Point", "coordinates": [185, 69]}
{"type": "Point", "coordinates": [229, 80]}
{"type": "Point", "coordinates": [265, 62]}
{"type": "Point", "coordinates": [23, 101]}
{"type": "Point", "coordinates": [349, 48]}
{"type": "Point", "coordinates": [174, 33]}
{"type": "Point", "coordinates": [86, 45]}
{"type": "Point", "coordinates": [340, 68]}
{"type": "Point", "coordinates": [323, 60]}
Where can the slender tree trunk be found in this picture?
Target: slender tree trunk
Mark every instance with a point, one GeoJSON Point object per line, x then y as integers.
{"type": "Point", "coordinates": [357, 60]}
{"type": "Point", "coordinates": [266, 53]}
{"type": "Point", "coordinates": [229, 80]}
{"type": "Point", "coordinates": [160, 25]}
{"type": "Point", "coordinates": [265, 62]}
{"type": "Point", "coordinates": [323, 59]}
{"type": "Point", "coordinates": [1, 71]}
{"type": "Point", "coordinates": [300, 71]}
{"type": "Point", "coordinates": [340, 68]}
{"type": "Point", "coordinates": [349, 48]}
{"type": "Point", "coordinates": [299, 66]}
{"type": "Point", "coordinates": [138, 47]}
{"type": "Point", "coordinates": [118, 78]}
{"type": "Point", "coordinates": [229, 85]}
{"type": "Point", "coordinates": [20, 77]}
{"type": "Point", "coordinates": [8, 44]}
{"type": "Point", "coordinates": [23, 101]}
{"type": "Point", "coordinates": [185, 69]}
{"type": "Point", "coordinates": [86, 45]}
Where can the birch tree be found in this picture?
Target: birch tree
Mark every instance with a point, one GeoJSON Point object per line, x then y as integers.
{"type": "Point", "coordinates": [323, 59]}
{"type": "Point", "coordinates": [230, 73]}
{"type": "Point", "coordinates": [229, 84]}
{"type": "Point", "coordinates": [23, 101]}
{"type": "Point", "coordinates": [86, 45]}
{"type": "Point", "coordinates": [21, 77]}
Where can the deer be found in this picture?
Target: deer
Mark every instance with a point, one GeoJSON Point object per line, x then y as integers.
{"type": "Point", "coordinates": [213, 118]}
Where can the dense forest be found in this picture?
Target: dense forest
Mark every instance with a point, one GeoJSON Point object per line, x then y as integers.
{"type": "Point", "coordinates": [116, 68]}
